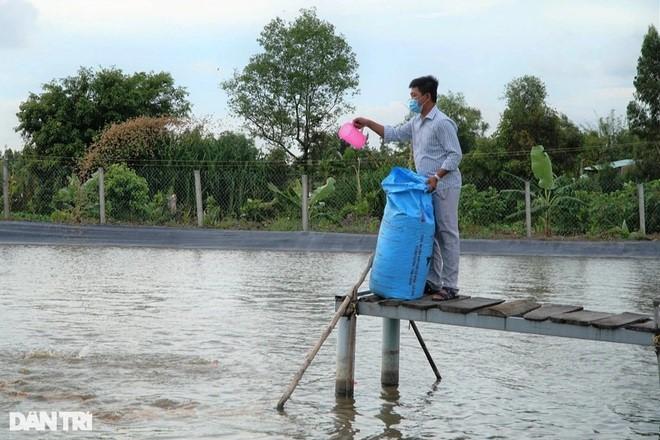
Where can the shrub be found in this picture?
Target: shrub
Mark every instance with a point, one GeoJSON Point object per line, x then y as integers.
{"type": "Point", "coordinates": [76, 202]}
{"type": "Point", "coordinates": [611, 210]}
{"type": "Point", "coordinates": [158, 210]}
{"type": "Point", "coordinates": [212, 214]}
{"type": "Point", "coordinates": [481, 207]}
{"type": "Point", "coordinates": [652, 206]}
{"type": "Point", "coordinates": [125, 142]}
{"type": "Point", "coordinates": [126, 194]}
{"type": "Point", "coordinates": [257, 210]}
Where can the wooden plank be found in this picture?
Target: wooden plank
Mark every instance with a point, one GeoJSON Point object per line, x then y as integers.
{"type": "Point", "coordinates": [511, 308]}
{"type": "Point", "coordinates": [389, 302]}
{"type": "Point", "coordinates": [425, 302]}
{"type": "Point", "coordinates": [581, 317]}
{"type": "Point", "coordinates": [648, 327]}
{"type": "Point", "coordinates": [370, 298]}
{"type": "Point", "coordinates": [467, 305]}
{"type": "Point", "coordinates": [549, 310]}
{"type": "Point", "coordinates": [620, 320]}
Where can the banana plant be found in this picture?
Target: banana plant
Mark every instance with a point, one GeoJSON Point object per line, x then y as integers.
{"type": "Point", "coordinates": [545, 195]}
{"type": "Point", "coordinates": [293, 195]}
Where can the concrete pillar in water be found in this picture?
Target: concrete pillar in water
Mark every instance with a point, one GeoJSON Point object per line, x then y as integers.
{"type": "Point", "coordinates": [389, 374]}
{"type": "Point", "coordinates": [345, 356]}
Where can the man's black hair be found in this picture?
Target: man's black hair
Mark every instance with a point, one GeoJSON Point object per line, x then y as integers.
{"type": "Point", "coordinates": [426, 84]}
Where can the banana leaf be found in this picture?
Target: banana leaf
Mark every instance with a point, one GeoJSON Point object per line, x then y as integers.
{"type": "Point", "coordinates": [322, 192]}
{"type": "Point", "coordinates": [542, 167]}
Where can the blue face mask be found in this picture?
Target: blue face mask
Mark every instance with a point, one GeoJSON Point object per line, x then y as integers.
{"type": "Point", "coordinates": [414, 106]}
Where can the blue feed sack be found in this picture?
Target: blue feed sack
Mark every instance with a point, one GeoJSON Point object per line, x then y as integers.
{"type": "Point", "coordinates": [405, 239]}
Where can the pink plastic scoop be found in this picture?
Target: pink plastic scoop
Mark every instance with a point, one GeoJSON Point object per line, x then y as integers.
{"type": "Point", "coordinates": [349, 133]}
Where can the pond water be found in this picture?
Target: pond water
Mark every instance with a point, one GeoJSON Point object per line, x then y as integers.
{"type": "Point", "coordinates": [182, 344]}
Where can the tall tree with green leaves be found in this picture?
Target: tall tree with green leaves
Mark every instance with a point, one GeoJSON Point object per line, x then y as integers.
{"type": "Point", "coordinates": [527, 120]}
{"type": "Point", "coordinates": [470, 124]}
{"type": "Point", "coordinates": [644, 110]}
{"type": "Point", "coordinates": [607, 141]}
{"type": "Point", "coordinates": [293, 91]}
{"type": "Point", "coordinates": [64, 119]}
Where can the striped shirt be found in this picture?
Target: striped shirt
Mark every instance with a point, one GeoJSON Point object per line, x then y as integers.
{"type": "Point", "coordinates": [434, 143]}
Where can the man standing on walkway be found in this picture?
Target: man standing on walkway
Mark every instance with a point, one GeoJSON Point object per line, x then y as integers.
{"type": "Point", "coordinates": [437, 154]}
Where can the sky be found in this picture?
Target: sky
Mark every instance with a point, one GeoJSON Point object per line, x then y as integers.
{"type": "Point", "coordinates": [585, 51]}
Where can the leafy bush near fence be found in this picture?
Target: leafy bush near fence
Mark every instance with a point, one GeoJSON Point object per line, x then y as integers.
{"type": "Point", "coordinates": [481, 207]}
{"type": "Point", "coordinates": [608, 211]}
{"type": "Point", "coordinates": [126, 197]}
{"type": "Point", "coordinates": [265, 194]}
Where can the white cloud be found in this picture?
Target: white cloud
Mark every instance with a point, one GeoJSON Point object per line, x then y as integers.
{"type": "Point", "coordinates": [603, 15]}
{"type": "Point", "coordinates": [17, 22]}
{"type": "Point", "coordinates": [138, 17]}
{"type": "Point", "coordinates": [391, 113]}
{"type": "Point", "coordinates": [453, 8]}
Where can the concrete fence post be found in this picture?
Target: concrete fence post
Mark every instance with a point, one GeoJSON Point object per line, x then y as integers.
{"type": "Point", "coordinates": [198, 198]}
{"type": "Point", "coordinates": [305, 203]}
{"type": "Point", "coordinates": [5, 187]}
{"type": "Point", "coordinates": [642, 213]}
{"type": "Point", "coordinates": [101, 196]}
{"type": "Point", "coordinates": [528, 209]}
{"type": "Point", "coordinates": [656, 316]}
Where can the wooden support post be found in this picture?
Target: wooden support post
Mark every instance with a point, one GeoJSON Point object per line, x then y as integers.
{"type": "Point", "coordinates": [305, 203]}
{"type": "Point", "coordinates": [642, 214]}
{"type": "Point", "coordinates": [656, 314]}
{"type": "Point", "coordinates": [198, 199]}
{"type": "Point", "coordinates": [5, 187]}
{"type": "Point", "coordinates": [339, 314]}
{"type": "Point", "coordinates": [426, 351]}
{"type": "Point", "coordinates": [345, 356]}
{"type": "Point", "coordinates": [528, 209]}
{"type": "Point", "coordinates": [389, 374]}
{"type": "Point", "coordinates": [101, 196]}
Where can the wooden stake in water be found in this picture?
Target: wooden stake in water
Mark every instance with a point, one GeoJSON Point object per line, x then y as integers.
{"type": "Point", "coordinates": [350, 297]}
{"type": "Point", "coordinates": [426, 351]}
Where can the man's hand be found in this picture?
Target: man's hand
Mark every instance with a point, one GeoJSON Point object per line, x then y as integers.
{"type": "Point", "coordinates": [432, 182]}
{"type": "Point", "coordinates": [361, 122]}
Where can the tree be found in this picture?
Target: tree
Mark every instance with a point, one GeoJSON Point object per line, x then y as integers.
{"type": "Point", "coordinates": [297, 87]}
{"type": "Point", "coordinates": [64, 119]}
{"type": "Point", "coordinates": [528, 120]}
{"type": "Point", "coordinates": [468, 119]}
{"type": "Point", "coordinates": [135, 140]}
{"type": "Point", "coordinates": [609, 140]}
{"type": "Point", "coordinates": [644, 110]}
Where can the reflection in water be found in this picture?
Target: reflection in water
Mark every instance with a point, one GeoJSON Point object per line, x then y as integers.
{"type": "Point", "coordinates": [388, 413]}
{"type": "Point", "coordinates": [344, 417]}
{"type": "Point", "coordinates": [170, 344]}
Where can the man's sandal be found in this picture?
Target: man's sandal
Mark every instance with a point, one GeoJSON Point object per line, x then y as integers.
{"type": "Point", "coordinates": [444, 294]}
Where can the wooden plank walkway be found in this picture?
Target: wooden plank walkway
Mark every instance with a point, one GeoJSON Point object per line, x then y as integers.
{"type": "Point", "coordinates": [522, 316]}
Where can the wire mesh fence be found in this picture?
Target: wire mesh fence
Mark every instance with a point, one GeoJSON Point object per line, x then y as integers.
{"type": "Point", "coordinates": [343, 195]}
